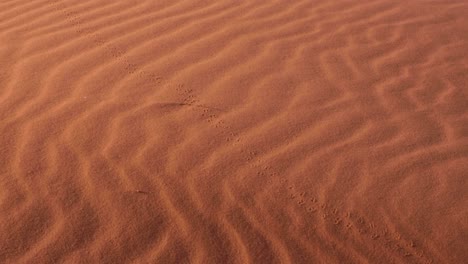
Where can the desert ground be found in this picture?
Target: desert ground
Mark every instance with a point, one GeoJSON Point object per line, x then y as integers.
{"type": "Point", "coordinates": [234, 131]}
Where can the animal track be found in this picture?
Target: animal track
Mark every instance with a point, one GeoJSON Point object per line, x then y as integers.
{"type": "Point", "coordinates": [209, 114]}
{"type": "Point", "coordinates": [129, 66]}
{"type": "Point", "coordinates": [353, 222]}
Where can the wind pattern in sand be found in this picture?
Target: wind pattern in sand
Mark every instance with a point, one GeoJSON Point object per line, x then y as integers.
{"type": "Point", "coordinates": [231, 131]}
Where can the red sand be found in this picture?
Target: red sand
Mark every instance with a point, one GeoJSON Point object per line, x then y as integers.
{"type": "Point", "coordinates": [233, 131]}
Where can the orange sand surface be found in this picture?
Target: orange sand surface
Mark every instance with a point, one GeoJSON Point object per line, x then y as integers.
{"type": "Point", "coordinates": [254, 131]}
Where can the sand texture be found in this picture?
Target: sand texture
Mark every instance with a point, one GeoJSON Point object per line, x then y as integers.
{"type": "Point", "coordinates": [254, 131]}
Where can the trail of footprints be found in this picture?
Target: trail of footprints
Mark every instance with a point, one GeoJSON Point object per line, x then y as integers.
{"type": "Point", "coordinates": [352, 222]}
{"type": "Point", "coordinates": [129, 66]}
{"type": "Point", "coordinates": [208, 113]}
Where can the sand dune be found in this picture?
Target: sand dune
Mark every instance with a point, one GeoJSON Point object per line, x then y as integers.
{"type": "Point", "coordinates": [231, 131]}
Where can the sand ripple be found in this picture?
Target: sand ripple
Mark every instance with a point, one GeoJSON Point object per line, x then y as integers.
{"type": "Point", "coordinates": [233, 131]}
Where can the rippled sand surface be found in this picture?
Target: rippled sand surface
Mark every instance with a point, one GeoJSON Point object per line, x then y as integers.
{"type": "Point", "coordinates": [193, 131]}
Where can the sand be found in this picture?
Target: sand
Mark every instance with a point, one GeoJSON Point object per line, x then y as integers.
{"type": "Point", "coordinates": [233, 131]}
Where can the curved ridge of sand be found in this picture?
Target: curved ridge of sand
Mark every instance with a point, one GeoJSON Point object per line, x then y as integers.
{"type": "Point", "coordinates": [233, 131]}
